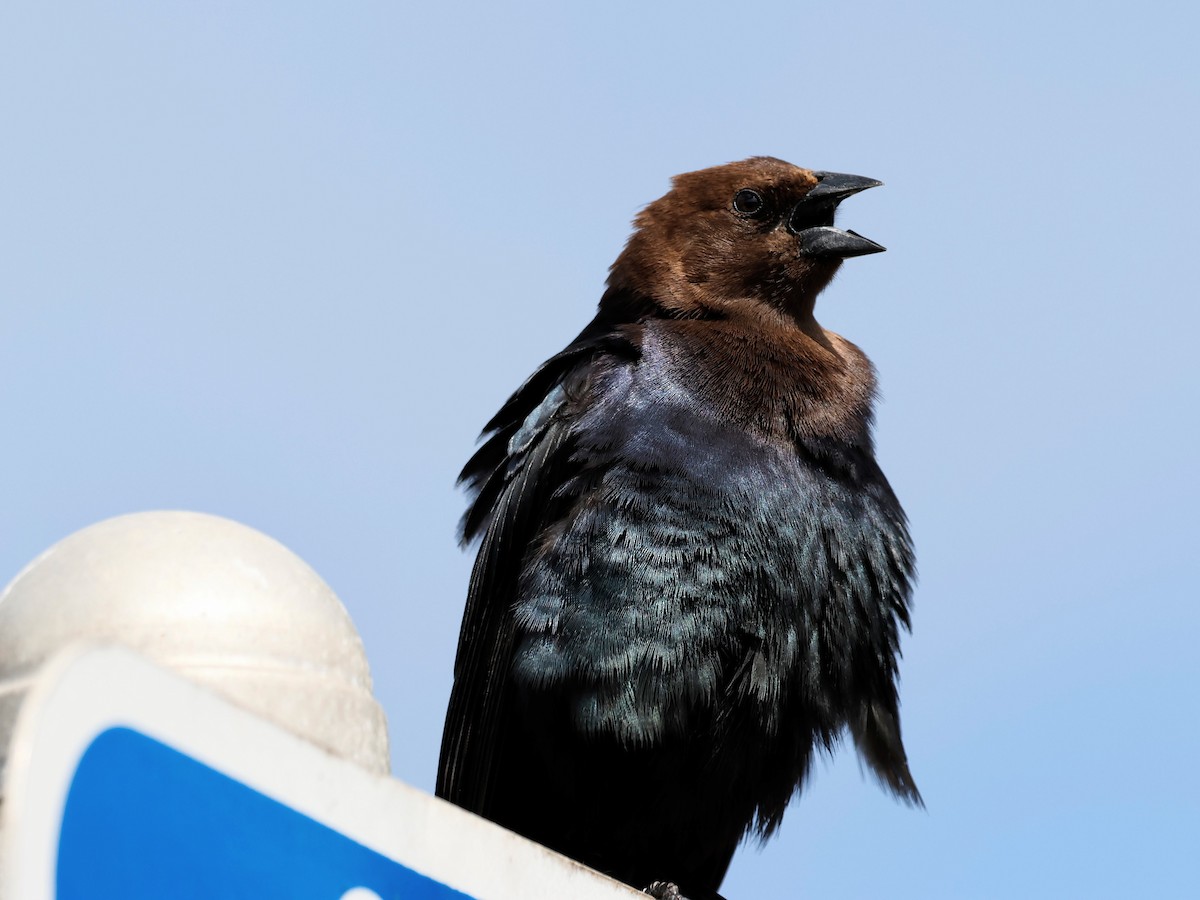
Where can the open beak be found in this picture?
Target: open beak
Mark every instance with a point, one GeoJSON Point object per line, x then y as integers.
{"type": "Point", "coordinates": [824, 241]}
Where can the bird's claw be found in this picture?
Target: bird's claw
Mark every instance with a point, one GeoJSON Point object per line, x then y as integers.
{"type": "Point", "coordinates": [663, 890]}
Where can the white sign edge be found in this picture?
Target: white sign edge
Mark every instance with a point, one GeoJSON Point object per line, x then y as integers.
{"type": "Point", "coordinates": [88, 689]}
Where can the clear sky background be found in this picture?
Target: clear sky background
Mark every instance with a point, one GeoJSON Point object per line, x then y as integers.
{"type": "Point", "coordinates": [281, 261]}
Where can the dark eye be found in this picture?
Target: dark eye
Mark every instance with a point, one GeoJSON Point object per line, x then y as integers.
{"type": "Point", "coordinates": [748, 202]}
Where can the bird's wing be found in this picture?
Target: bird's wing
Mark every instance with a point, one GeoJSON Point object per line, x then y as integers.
{"type": "Point", "coordinates": [514, 476]}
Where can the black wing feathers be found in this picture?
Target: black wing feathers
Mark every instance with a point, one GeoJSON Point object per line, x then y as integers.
{"type": "Point", "coordinates": [513, 483]}
{"type": "Point", "coordinates": [486, 471]}
{"type": "Point", "coordinates": [486, 641]}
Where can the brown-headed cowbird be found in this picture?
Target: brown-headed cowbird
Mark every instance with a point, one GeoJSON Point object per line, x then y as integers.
{"type": "Point", "coordinates": [693, 574]}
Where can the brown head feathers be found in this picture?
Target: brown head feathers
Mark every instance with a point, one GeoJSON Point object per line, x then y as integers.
{"type": "Point", "coordinates": [731, 238]}
{"type": "Point", "coordinates": [747, 247]}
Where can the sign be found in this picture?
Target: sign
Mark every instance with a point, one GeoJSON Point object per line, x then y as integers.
{"type": "Point", "coordinates": [144, 820]}
{"type": "Point", "coordinates": [125, 781]}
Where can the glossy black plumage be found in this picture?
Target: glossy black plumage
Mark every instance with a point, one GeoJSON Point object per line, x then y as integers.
{"type": "Point", "coordinates": [692, 572]}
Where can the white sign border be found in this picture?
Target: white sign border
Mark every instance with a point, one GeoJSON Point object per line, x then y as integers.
{"type": "Point", "coordinates": [86, 690]}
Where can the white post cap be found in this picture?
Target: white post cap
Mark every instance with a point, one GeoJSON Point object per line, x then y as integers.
{"type": "Point", "coordinates": [220, 603]}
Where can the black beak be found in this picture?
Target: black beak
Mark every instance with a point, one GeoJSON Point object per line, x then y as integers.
{"type": "Point", "coordinates": [837, 187]}
{"type": "Point", "coordinates": [812, 219]}
{"type": "Point", "coordinates": [828, 242]}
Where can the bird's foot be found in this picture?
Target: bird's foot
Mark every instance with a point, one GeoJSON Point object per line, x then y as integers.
{"type": "Point", "coordinates": [663, 890]}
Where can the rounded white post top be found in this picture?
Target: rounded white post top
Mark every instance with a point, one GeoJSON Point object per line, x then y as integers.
{"type": "Point", "coordinates": [220, 603]}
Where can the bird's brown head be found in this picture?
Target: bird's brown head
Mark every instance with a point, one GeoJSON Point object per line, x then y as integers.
{"type": "Point", "coordinates": [734, 237]}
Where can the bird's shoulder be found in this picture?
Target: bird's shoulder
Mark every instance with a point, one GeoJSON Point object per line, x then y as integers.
{"type": "Point", "coordinates": [707, 396]}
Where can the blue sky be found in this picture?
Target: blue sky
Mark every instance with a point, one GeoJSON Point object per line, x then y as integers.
{"type": "Point", "coordinates": [280, 262]}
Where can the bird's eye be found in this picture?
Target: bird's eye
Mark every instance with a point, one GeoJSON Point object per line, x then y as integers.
{"type": "Point", "coordinates": [748, 202]}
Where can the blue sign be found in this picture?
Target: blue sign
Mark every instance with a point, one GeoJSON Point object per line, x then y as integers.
{"type": "Point", "coordinates": [143, 820]}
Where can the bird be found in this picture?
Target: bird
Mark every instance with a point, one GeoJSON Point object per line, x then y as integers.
{"type": "Point", "coordinates": [692, 575]}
